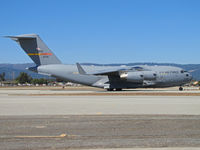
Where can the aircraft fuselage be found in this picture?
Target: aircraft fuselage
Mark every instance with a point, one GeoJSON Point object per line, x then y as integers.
{"type": "Point", "coordinates": [165, 76]}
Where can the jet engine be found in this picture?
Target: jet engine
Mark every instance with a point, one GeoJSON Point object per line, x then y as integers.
{"type": "Point", "coordinates": [132, 77]}
{"type": "Point", "coordinates": [138, 77]}
{"type": "Point", "coordinates": [149, 75]}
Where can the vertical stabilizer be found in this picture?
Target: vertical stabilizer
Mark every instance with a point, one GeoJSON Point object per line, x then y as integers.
{"type": "Point", "coordinates": [36, 49]}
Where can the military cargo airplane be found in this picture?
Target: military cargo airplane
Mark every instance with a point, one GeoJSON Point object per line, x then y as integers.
{"type": "Point", "coordinates": [107, 77]}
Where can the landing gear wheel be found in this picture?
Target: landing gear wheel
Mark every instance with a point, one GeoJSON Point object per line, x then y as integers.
{"type": "Point", "coordinates": [111, 89]}
{"type": "Point", "coordinates": [118, 89]}
{"type": "Point", "coordinates": [180, 88]}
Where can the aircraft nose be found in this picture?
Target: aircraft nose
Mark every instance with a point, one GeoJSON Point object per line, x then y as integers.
{"type": "Point", "coordinates": [191, 77]}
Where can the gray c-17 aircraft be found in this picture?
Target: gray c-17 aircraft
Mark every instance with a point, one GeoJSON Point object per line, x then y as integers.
{"type": "Point", "coordinates": [107, 77]}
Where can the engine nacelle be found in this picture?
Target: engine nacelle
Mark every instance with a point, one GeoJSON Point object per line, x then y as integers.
{"type": "Point", "coordinates": [132, 77]}
{"type": "Point", "coordinates": [138, 77]}
{"type": "Point", "coordinates": [149, 75]}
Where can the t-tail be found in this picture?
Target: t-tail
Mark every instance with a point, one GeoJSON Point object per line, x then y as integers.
{"type": "Point", "coordinates": [36, 49]}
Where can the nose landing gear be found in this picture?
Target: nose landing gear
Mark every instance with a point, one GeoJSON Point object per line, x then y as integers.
{"type": "Point", "coordinates": [112, 89]}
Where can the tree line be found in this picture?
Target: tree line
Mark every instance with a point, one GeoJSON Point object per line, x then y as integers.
{"type": "Point", "coordinates": [25, 78]}
{"type": "Point", "coordinates": [2, 76]}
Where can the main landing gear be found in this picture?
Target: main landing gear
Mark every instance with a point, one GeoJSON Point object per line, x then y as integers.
{"type": "Point", "coordinates": [118, 89]}
{"type": "Point", "coordinates": [180, 88]}
{"type": "Point", "coordinates": [112, 89]}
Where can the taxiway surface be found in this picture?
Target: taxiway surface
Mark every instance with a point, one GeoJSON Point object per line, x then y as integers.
{"type": "Point", "coordinates": [98, 131]}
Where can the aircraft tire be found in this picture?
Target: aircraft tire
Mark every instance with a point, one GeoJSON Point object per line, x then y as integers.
{"type": "Point", "coordinates": [110, 89]}
{"type": "Point", "coordinates": [118, 89]}
{"type": "Point", "coordinates": [180, 88]}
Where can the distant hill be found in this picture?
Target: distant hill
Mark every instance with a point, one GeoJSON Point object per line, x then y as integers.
{"type": "Point", "coordinates": [13, 70]}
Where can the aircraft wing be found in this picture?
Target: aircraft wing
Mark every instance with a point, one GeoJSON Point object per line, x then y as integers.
{"type": "Point", "coordinates": [111, 71]}
{"type": "Point", "coordinates": [116, 71]}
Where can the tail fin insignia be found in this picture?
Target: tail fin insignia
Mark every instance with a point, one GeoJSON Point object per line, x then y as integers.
{"type": "Point", "coordinates": [39, 54]}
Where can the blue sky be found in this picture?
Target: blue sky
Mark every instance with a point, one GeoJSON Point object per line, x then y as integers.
{"type": "Point", "coordinates": [105, 31]}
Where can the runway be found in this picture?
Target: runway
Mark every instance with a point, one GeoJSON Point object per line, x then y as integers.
{"type": "Point", "coordinates": [89, 105]}
{"type": "Point", "coordinates": [59, 119]}
{"type": "Point", "coordinates": [86, 101]}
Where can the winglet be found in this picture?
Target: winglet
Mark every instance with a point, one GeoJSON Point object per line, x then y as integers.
{"type": "Point", "coordinates": [80, 69]}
